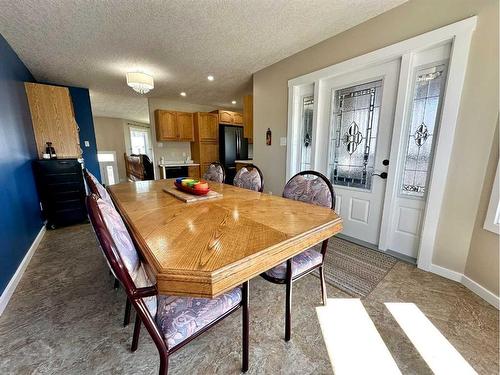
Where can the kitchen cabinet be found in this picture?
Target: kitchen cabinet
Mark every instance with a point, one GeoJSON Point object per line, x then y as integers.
{"type": "Point", "coordinates": [208, 126]}
{"type": "Point", "coordinates": [53, 119]}
{"type": "Point", "coordinates": [229, 117]}
{"type": "Point", "coordinates": [174, 126]}
{"type": "Point", "coordinates": [248, 117]}
{"type": "Point", "coordinates": [194, 171]}
{"type": "Point", "coordinates": [205, 148]}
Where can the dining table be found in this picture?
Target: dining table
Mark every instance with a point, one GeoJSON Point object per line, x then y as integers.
{"type": "Point", "coordinates": [208, 247]}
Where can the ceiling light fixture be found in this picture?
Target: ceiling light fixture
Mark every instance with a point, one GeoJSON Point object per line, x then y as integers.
{"type": "Point", "coordinates": [140, 82]}
{"type": "Point", "coordinates": [183, 93]}
{"type": "Point", "coordinates": [234, 102]}
{"type": "Point", "coordinates": [210, 78]}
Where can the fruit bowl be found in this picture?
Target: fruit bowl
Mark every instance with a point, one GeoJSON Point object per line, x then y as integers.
{"type": "Point", "coordinates": [192, 186]}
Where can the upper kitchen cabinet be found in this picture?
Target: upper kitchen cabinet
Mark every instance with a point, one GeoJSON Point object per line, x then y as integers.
{"type": "Point", "coordinates": [229, 117]}
{"type": "Point", "coordinates": [207, 126]}
{"type": "Point", "coordinates": [185, 126]}
{"type": "Point", "coordinates": [174, 126]}
{"type": "Point", "coordinates": [248, 117]}
{"type": "Point", "coordinates": [53, 119]}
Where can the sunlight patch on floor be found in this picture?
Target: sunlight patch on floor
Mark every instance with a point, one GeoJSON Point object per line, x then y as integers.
{"type": "Point", "coordinates": [435, 349]}
{"type": "Point", "coordinates": [353, 343]}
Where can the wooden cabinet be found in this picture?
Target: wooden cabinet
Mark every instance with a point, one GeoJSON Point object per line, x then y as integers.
{"type": "Point", "coordinates": [229, 117]}
{"type": "Point", "coordinates": [174, 126]}
{"type": "Point", "coordinates": [205, 148]}
{"type": "Point", "coordinates": [237, 118]}
{"type": "Point", "coordinates": [248, 118]}
{"type": "Point", "coordinates": [53, 119]}
{"type": "Point", "coordinates": [185, 126]}
{"type": "Point", "coordinates": [166, 125]}
{"type": "Point", "coordinates": [208, 126]}
{"type": "Point", "coordinates": [194, 171]}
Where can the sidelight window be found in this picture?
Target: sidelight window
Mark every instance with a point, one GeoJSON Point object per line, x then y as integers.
{"type": "Point", "coordinates": [423, 124]}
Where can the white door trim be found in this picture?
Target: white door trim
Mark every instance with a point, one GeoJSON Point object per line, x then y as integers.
{"type": "Point", "coordinates": [459, 34]}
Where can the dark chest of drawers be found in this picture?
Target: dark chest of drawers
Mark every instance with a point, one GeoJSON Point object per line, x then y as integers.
{"type": "Point", "coordinates": [61, 190]}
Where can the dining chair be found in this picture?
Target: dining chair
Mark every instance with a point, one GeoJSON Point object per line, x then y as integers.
{"type": "Point", "coordinates": [171, 321]}
{"type": "Point", "coordinates": [215, 172]}
{"type": "Point", "coordinates": [249, 177]}
{"type": "Point", "coordinates": [95, 187]}
{"type": "Point", "coordinates": [310, 187]}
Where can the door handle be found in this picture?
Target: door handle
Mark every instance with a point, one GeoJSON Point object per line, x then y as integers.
{"type": "Point", "coordinates": [382, 175]}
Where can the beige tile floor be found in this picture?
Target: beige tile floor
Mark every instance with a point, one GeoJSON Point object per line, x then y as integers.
{"type": "Point", "coordinates": [65, 318]}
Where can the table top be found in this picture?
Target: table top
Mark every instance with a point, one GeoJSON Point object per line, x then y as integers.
{"type": "Point", "coordinates": [205, 248]}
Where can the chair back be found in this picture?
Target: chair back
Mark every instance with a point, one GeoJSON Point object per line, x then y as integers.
{"type": "Point", "coordinates": [249, 177]}
{"type": "Point", "coordinates": [119, 249]}
{"type": "Point", "coordinates": [311, 187]}
{"type": "Point", "coordinates": [95, 187]}
{"type": "Point", "coordinates": [215, 172]}
{"type": "Point", "coordinates": [138, 296]}
{"type": "Point", "coordinates": [138, 167]}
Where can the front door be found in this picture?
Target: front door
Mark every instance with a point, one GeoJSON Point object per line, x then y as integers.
{"type": "Point", "coordinates": [361, 123]}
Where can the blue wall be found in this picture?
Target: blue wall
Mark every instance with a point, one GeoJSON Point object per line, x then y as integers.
{"type": "Point", "coordinates": [20, 220]}
{"type": "Point", "coordinates": [83, 115]}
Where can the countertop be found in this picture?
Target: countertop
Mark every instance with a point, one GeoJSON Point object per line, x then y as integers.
{"type": "Point", "coordinates": [178, 164]}
{"type": "Point", "coordinates": [248, 161]}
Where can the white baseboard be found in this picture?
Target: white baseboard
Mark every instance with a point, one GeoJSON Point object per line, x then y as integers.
{"type": "Point", "coordinates": [470, 284]}
{"type": "Point", "coordinates": [482, 292]}
{"type": "Point", "coordinates": [11, 286]}
{"type": "Point", "coordinates": [445, 272]}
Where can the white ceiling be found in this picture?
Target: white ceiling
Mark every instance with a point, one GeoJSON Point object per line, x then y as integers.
{"type": "Point", "coordinates": [94, 43]}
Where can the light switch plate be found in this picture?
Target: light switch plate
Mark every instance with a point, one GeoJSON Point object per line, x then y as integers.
{"type": "Point", "coordinates": [86, 143]}
{"type": "Point", "coordinates": [283, 141]}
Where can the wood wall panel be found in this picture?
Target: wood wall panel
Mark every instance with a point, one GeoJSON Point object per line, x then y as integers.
{"type": "Point", "coordinates": [53, 119]}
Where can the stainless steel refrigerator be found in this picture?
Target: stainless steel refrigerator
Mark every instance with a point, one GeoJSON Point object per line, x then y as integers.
{"type": "Point", "coordinates": [232, 146]}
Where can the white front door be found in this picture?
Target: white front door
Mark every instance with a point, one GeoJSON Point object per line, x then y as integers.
{"type": "Point", "coordinates": [361, 122]}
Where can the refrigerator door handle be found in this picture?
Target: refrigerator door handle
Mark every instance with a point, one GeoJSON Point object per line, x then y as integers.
{"type": "Point", "coordinates": [238, 145]}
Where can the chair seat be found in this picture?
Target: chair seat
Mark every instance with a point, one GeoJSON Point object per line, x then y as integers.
{"type": "Point", "coordinates": [181, 317]}
{"type": "Point", "coordinates": [300, 263]}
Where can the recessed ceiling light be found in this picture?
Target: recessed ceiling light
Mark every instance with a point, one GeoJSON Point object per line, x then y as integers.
{"type": "Point", "coordinates": [210, 78]}
{"type": "Point", "coordinates": [183, 93]}
{"type": "Point", "coordinates": [234, 102]}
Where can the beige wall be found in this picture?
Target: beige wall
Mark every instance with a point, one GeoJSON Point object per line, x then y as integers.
{"type": "Point", "coordinates": [110, 134]}
{"type": "Point", "coordinates": [483, 259]}
{"type": "Point", "coordinates": [171, 151]}
{"type": "Point", "coordinates": [477, 117]}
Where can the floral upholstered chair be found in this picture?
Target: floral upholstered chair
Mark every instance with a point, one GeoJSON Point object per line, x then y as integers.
{"type": "Point", "coordinates": [309, 187]}
{"type": "Point", "coordinates": [95, 187]}
{"type": "Point", "coordinates": [215, 172]}
{"type": "Point", "coordinates": [171, 321]}
{"type": "Point", "coordinates": [249, 177]}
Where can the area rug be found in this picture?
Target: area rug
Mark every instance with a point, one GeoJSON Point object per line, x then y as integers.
{"type": "Point", "coordinates": [355, 269]}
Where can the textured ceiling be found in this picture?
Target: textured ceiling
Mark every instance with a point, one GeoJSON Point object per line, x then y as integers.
{"type": "Point", "coordinates": [94, 43]}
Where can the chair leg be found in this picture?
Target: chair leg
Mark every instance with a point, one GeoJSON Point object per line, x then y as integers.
{"type": "Point", "coordinates": [163, 365]}
{"type": "Point", "coordinates": [126, 318]}
{"type": "Point", "coordinates": [137, 331]}
{"type": "Point", "coordinates": [117, 284]}
{"type": "Point", "coordinates": [245, 300]}
{"type": "Point", "coordinates": [288, 302]}
{"type": "Point", "coordinates": [323, 285]}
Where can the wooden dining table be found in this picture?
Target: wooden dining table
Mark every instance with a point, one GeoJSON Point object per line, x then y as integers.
{"type": "Point", "coordinates": [205, 248]}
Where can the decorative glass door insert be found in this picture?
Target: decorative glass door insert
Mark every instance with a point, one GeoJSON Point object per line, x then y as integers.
{"type": "Point", "coordinates": [306, 132]}
{"type": "Point", "coordinates": [423, 124]}
{"type": "Point", "coordinates": [353, 138]}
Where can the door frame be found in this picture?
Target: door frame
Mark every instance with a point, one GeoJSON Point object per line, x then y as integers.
{"type": "Point", "coordinates": [459, 34]}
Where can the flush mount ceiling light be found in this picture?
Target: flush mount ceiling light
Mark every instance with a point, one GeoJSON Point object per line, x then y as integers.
{"type": "Point", "coordinates": [140, 82]}
{"type": "Point", "coordinates": [183, 93]}
{"type": "Point", "coordinates": [234, 102]}
{"type": "Point", "coordinates": [210, 78]}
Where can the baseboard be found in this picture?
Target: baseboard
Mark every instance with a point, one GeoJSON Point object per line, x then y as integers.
{"type": "Point", "coordinates": [11, 286]}
{"type": "Point", "coordinates": [482, 292]}
{"type": "Point", "coordinates": [445, 272]}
